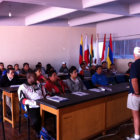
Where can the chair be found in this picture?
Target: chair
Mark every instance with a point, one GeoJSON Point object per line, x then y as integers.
{"type": "Point", "coordinates": [1, 118]}
{"type": "Point", "coordinates": [22, 107]}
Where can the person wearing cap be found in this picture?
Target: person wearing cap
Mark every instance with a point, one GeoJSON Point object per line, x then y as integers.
{"type": "Point", "coordinates": [133, 101]}
{"type": "Point", "coordinates": [64, 68]}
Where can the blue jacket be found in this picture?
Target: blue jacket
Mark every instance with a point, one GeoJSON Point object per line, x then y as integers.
{"type": "Point", "coordinates": [99, 79]}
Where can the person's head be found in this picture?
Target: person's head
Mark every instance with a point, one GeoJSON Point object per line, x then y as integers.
{"type": "Point", "coordinates": [129, 64]}
{"type": "Point", "coordinates": [53, 76]}
{"type": "Point", "coordinates": [16, 67]}
{"type": "Point", "coordinates": [48, 66]}
{"type": "Point", "coordinates": [38, 71]}
{"type": "Point", "coordinates": [1, 66]}
{"type": "Point", "coordinates": [85, 63]}
{"type": "Point", "coordinates": [40, 64]}
{"type": "Point", "coordinates": [137, 53]}
{"type": "Point", "coordinates": [10, 73]}
{"type": "Point", "coordinates": [99, 69]}
{"type": "Point", "coordinates": [73, 72]}
{"type": "Point", "coordinates": [26, 66]}
{"type": "Point", "coordinates": [112, 66]}
{"type": "Point", "coordinates": [9, 66]}
{"type": "Point", "coordinates": [83, 66]}
{"type": "Point", "coordinates": [63, 64]}
{"type": "Point", "coordinates": [104, 64]}
{"type": "Point", "coordinates": [31, 78]}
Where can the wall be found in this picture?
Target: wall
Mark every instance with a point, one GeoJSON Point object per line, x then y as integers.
{"type": "Point", "coordinates": [120, 29]}
{"type": "Point", "coordinates": [31, 44]}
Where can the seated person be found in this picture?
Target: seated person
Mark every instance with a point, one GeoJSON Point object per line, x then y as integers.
{"type": "Point", "coordinates": [54, 84]}
{"type": "Point", "coordinates": [112, 69]}
{"type": "Point", "coordinates": [75, 83]}
{"type": "Point", "coordinates": [40, 77]}
{"type": "Point", "coordinates": [49, 68]}
{"type": "Point", "coordinates": [17, 70]}
{"type": "Point", "coordinates": [83, 68]}
{"type": "Point", "coordinates": [129, 67]}
{"type": "Point", "coordinates": [104, 67]}
{"type": "Point", "coordinates": [7, 80]}
{"type": "Point", "coordinates": [2, 69]}
{"type": "Point", "coordinates": [64, 68]}
{"type": "Point", "coordinates": [84, 62]}
{"type": "Point", "coordinates": [28, 93]}
{"type": "Point", "coordinates": [92, 69]}
{"type": "Point", "coordinates": [5, 71]}
{"type": "Point", "coordinates": [42, 68]}
{"type": "Point", "coordinates": [25, 70]}
{"type": "Point", "coordinates": [99, 79]}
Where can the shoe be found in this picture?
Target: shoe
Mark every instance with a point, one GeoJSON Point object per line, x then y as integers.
{"type": "Point", "coordinates": [130, 138]}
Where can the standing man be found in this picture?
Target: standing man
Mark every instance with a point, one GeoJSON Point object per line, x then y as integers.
{"type": "Point", "coordinates": [133, 101]}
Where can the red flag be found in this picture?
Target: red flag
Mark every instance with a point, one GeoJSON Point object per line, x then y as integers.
{"type": "Point", "coordinates": [104, 46]}
{"type": "Point", "coordinates": [86, 51]}
{"type": "Point", "coordinates": [111, 43]}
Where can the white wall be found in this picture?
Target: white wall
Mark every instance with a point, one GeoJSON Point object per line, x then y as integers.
{"type": "Point", "coordinates": [120, 28]}
{"type": "Point", "coordinates": [19, 44]}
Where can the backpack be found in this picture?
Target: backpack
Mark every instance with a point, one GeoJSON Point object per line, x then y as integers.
{"type": "Point", "coordinates": [44, 135]}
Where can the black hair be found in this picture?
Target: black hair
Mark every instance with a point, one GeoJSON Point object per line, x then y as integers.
{"type": "Point", "coordinates": [104, 62]}
{"type": "Point", "coordinates": [99, 66]}
{"type": "Point", "coordinates": [16, 64]}
{"type": "Point", "coordinates": [1, 63]}
{"type": "Point", "coordinates": [129, 63]}
{"type": "Point", "coordinates": [8, 70]}
{"type": "Point", "coordinates": [25, 64]}
{"type": "Point", "coordinates": [37, 68]}
{"type": "Point", "coordinates": [82, 64]}
{"type": "Point", "coordinates": [72, 68]}
{"type": "Point", "coordinates": [51, 73]}
{"type": "Point", "coordinates": [9, 66]}
{"type": "Point", "coordinates": [30, 73]}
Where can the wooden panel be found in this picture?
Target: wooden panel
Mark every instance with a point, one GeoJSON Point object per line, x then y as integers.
{"type": "Point", "coordinates": [116, 110]}
{"type": "Point", "coordinates": [83, 122]}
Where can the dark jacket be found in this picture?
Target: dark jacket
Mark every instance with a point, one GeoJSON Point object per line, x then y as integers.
{"type": "Point", "coordinates": [5, 82]}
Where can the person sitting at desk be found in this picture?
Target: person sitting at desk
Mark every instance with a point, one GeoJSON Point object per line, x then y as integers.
{"type": "Point", "coordinates": [84, 70]}
{"type": "Point", "coordinates": [99, 79]}
{"type": "Point", "coordinates": [64, 68]}
{"type": "Point", "coordinates": [40, 77]}
{"type": "Point", "coordinates": [54, 84]}
{"type": "Point", "coordinates": [25, 70]}
{"type": "Point", "coordinates": [7, 80]}
{"type": "Point", "coordinates": [75, 83]}
{"type": "Point", "coordinates": [5, 71]}
{"type": "Point", "coordinates": [104, 67]}
{"type": "Point", "coordinates": [129, 67]}
{"type": "Point", "coordinates": [17, 70]}
{"type": "Point", "coordinates": [112, 69]}
{"type": "Point", "coordinates": [92, 69]}
{"type": "Point", "coordinates": [28, 93]}
{"type": "Point", "coordinates": [39, 64]}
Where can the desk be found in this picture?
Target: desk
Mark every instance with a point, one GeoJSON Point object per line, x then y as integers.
{"type": "Point", "coordinates": [83, 117]}
{"type": "Point", "coordinates": [12, 94]}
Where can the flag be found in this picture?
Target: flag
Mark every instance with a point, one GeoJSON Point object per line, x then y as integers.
{"type": "Point", "coordinates": [86, 50]}
{"type": "Point", "coordinates": [110, 53]}
{"type": "Point", "coordinates": [97, 50]}
{"type": "Point", "coordinates": [104, 46]}
{"type": "Point", "coordinates": [81, 51]}
{"type": "Point", "coordinates": [91, 51]}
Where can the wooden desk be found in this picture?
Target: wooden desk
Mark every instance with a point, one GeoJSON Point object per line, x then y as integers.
{"type": "Point", "coordinates": [12, 94]}
{"type": "Point", "coordinates": [83, 117]}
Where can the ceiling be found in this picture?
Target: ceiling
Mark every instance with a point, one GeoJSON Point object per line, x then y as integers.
{"type": "Point", "coordinates": [65, 12]}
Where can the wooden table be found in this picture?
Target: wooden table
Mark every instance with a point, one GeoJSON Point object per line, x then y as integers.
{"type": "Point", "coordinates": [83, 117]}
{"type": "Point", "coordinates": [12, 94]}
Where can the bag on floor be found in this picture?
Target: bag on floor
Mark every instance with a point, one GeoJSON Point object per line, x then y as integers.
{"type": "Point", "coordinates": [44, 135]}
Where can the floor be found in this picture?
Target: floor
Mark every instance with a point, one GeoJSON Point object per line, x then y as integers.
{"type": "Point", "coordinates": [118, 133]}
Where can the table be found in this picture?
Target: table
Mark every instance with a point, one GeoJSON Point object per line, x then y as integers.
{"type": "Point", "coordinates": [12, 94]}
{"type": "Point", "coordinates": [83, 117]}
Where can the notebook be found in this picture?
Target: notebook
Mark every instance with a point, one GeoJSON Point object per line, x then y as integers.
{"type": "Point", "coordinates": [80, 93]}
{"type": "Point", "coordinates": [57, 99]}
{"type": "Point", "coordinates": [14, 86]}
{"type": "Point", "coordinates": [95, 90]}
